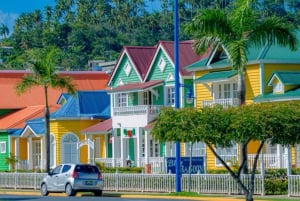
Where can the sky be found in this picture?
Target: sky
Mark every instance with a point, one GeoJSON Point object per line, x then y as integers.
{"type": "Point", "coordinates": [11, 9]}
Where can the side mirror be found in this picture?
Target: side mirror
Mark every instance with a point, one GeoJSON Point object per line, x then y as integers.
{"type": "Point", "coordinates": [50, 173]}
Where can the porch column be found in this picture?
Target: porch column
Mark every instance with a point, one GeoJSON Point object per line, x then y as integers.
{"type": "Point", "coordinates": [147, 142]}
{"type": "Point", "coordinates": [17, 153]}
{"type": "Point", "coordinates": [43, 154]}
{"type": "Point", "coordinates": [29, 153]}
{"type": "Point", "coordinates": [139, 147]}
{"type": "Point", "coordinates": [123, 156]}
{"type": "Point", "coordinates": [114, 141]}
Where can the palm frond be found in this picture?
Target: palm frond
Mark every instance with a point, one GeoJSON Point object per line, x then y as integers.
{"type": "Point", "coordinates": [27, 83]}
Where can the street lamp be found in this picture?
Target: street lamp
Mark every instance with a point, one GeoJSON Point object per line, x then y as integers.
{"type": "Point", "coordinates": [177, 95]}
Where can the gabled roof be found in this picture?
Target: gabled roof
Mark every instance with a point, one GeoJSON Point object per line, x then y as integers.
{"type": "Point", "coordinates": [85, 104]}
{"type": "Point", "coordinates": [216, 76]}
{"type": "Point", "coordinates": [140, 56]}
{"type": "Point", "coordinates": [287, 96]}
{"type": "Point", "coordinates": [83, 80]}
{"type": "Point", "coordinates": [101, 127]}
{"type": "Point", "coordinates": [18, 119]}
{"type": "Point", "coordinates": [285, 77]}
{"type": "Point", "coordinates": [136, 86]}
{"type": "Point", "coordinates": [186, 54]}
{"type": "Point", "coordinates": [263, 54]}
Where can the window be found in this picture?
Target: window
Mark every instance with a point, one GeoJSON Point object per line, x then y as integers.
{"type": "Point", "coordinates": [198, 149]}
{"type": "Point", "coordinates": [36, 153]}
{"type": "Point", "coordinates": [127, 69]}
{"type": "Point", "coordinates": [162, 65]}
{"type": "Point", "coordinates": [121, 100]}
{"type": "Point", "coordinates": [228, 154]}
{"type": "Point", "coordinates": [225, 90]}
{"type": "Point", "coordinates": [52, 151]}
{"type": "Point", "coordinates": [66, 168]}
{"type": "Point", "coordinates": [147, 100]}
{"type": "Point", "coordinates": [69, 152]}
{"type": "Point", "coordinates": [170, 96]}
{"type": "Point", "coordinates": [278, 88]}
{"type": "Point", "coordinates": [3, 147]}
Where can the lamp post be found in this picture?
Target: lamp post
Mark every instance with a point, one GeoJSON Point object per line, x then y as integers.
{"type": "Point", "coordinates": [177, 95]}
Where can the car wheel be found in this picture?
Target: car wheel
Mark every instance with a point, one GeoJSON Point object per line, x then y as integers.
{"type": "Point", "coordinates": [44, 190]}
{"type": "Point", "coordinates": [98, 193]}
{"type": "Point", "coordinates": [69, 190]}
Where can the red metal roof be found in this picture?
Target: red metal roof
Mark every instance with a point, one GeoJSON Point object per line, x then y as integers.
{"type": "Point", "coordinates": [18, 118]}
{"type": "Point", "coordinates": [83, 80]}
{"type": "Point", "coordinates": [101, 127]}
{"type": "Point", "coordinates": [136, 86]}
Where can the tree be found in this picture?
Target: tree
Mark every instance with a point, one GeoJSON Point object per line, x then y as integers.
{"type": "Point", "coordinates": [223, 127]}
{"type": "Point", "coordinates": [236, 32]}
{"type": "Point", "coordinates": [43, 74]}
{"type": "Point", "coordinates": [4, 31]}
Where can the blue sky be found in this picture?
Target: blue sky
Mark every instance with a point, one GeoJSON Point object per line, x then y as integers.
{"type": "Point", "coordinates": [11, 9]}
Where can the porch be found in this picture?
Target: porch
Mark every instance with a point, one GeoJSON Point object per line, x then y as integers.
{"type": "Point", "coordinates": [224, 102]}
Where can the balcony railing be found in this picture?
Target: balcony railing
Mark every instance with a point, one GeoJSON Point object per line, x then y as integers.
{"type": "Point", "coordinates": [137, 110]}
{"type": "Point", "coordinates": [223, 102]}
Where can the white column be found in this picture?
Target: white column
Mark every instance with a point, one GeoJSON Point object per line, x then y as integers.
{"type": "Point", "coordinates": [43, 153]}
{"type": "Point", "coordinates": [29, 153]}
{"type": "Point", "coordinates": [17, 152]}
{"type": "Point", "coordinates": [147, 142]}
{"type": "Point", "coordinates": [114, 141]}
{"type": "Point", "coordinates": [123, 156]}
{"type": "Point", "coordinates": [139, 148]}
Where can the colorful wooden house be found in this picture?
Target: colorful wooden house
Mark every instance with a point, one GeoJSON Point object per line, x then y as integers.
{"type": "Point", "coordinates": [67, 143]}
{"type": "Point", "coordinates": [272, 74]}
{"type": "Point", "coordinates": [141, 83]}
{"type": "Point", "coordinates": [16, 110]}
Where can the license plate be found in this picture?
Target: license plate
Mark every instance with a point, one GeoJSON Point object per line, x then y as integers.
{"type": "Point", "coordinates": [89, 183]}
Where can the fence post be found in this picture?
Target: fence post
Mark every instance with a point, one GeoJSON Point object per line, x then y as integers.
{"type": "Point", "coordinates": [15, 180]}
{"type": "Point", "coordinates": [117, 180]}
{"type": "Point", "coordinates": [143, 176]}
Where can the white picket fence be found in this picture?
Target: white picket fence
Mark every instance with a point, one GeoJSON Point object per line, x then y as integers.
{"type": "Point", "coordinates": [162, 183]}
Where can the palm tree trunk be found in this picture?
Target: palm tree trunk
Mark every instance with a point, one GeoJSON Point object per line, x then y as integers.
{"type": "Point", "coordinates": [241, 93]}
{"type": "Point", "coordinates": [47, 125]}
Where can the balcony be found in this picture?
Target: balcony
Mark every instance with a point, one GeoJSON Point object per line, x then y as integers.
{"type": "Point", "coordinates": [140, 115]}
{"type": "Point", "coordinates": [223, 102]}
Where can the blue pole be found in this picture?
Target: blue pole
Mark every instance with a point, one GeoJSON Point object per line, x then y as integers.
{"type": "Point", "coordinates": [177, 95]}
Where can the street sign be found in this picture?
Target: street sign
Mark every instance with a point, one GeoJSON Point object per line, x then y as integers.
{"type": "Point", "coordinates": [197, 165]}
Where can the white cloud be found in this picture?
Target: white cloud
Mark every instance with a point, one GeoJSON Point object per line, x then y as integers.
{"type": "Point", "coordinates": [8, 19]}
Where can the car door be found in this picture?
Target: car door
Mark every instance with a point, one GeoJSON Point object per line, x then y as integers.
{"type": "Point", "coordinates": [63, 177]}
{"type": "Point", "coordinates": [52, 178]}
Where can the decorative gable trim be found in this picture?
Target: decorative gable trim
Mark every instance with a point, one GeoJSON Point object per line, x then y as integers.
{"type": "Point", "coordinates": [162, 65]}
{"type": "Point", "coordinates": [127, 69]}
{"type": "Point", "coordinates": [120, 82]}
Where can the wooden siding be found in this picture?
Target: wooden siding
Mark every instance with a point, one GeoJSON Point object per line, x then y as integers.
{"type": "Point", "coordinates": [120, 73]}
{"type": "Point", "coordinates": [155, 73]}
{"type": "Point", "coordinates": [252, 79]}
{"type": "Point", "coordinates": [4, 138]}
{"type": "Point", "coordinates": [60, 128]}
{"type": "Point", "coordinates": [201, 91]}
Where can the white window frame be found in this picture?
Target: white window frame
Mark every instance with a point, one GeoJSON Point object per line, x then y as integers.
{"type": "Point", "coordinates": [36, 153]}
{"type": "Point", "coordinates": [227, 154]}
{"type": "Point", "coordinates": [73, 153]}
{"type": "Point", "coordinates": [198, 149]}
{"type": "Point", "coordinates": [225, 90]}
{"type": "Point", "coordinates": [162, 65]}
{"type": "Point", "coordinates": [127, 69]}
{"type": "Point", "coordinates": [121, 100]}
{"type": "Point", "coordinates": [170, 96]}
{"type": "Point", "coordinates": [3, 147]}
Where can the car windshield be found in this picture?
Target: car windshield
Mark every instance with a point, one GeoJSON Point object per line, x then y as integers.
{"type": "Point", "coordinates": [86, 169]}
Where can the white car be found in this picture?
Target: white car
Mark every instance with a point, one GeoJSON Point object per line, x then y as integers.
{"type": "Point", "coordinates": [73, 178]}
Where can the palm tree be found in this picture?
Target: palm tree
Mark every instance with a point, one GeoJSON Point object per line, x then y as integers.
{"type": "Point", "coordinates": [44, 74]}
{"type": "Point", "coordinates": [235, 32]}
{"type": "Point", "coordinates": [4, 31]}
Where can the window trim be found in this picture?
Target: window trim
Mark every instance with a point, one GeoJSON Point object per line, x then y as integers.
{"type": "Point", "coordinates": [3, 147]}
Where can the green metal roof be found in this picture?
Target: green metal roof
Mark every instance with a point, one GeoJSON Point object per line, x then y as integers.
{"type": "Point", "coordinates": [289, 95]}
{"type": "Point", "coordinates": [216, 76]}
{"type": "Point", "coordinates": [286, 77]}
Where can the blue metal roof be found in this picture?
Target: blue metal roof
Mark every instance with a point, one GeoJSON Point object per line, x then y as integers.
{"type": "Point", "coordinates": [89, 104]}
{"type": "Point", "coordinates": [84, 104]}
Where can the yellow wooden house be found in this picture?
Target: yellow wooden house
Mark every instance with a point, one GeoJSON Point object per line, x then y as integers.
{"type": "Point", "coordinates": [272, 74]}
{"type": "Point", "coordinates": [68, 144]}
